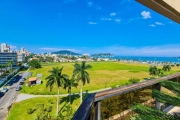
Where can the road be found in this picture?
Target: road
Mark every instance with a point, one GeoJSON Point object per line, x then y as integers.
{"type": "Point", "coordinates": [10, 96]}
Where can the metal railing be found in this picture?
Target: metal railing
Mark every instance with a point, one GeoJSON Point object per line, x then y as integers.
{"type": "Point", "coordinates": [94, 100]}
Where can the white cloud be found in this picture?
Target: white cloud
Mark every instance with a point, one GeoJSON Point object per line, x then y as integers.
{"type": "Point", "coordinates": [57, 49]}
{"type": "Point", "coordinates": [92, 23]}
{"type": "Point", "coordinates": [146, 15]}
{"type": "Point", "coordinates": [67, 1]}
{"type": "Point", "coordinates": [106, 19]}
{"type": "Point", "coordinates": [13, 47]}
{"type": "Point", "coordinates": [90, 3]}
{"type": "Point", "coordinates": [117, 20]}
{"type": "Point", "coordinates": [152, 25]}
{"type": "Point", "coordinates": [98, 7]}
{"type": "Point", "coordinates": [113, 14]}
{"type": "Point", "coordinates": [158, 23]}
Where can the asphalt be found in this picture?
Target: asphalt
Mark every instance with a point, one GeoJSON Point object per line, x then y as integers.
{"type": "Point", "coordinates": [10, 96]}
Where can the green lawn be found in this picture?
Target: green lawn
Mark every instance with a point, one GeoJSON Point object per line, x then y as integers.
{"type": "Point", "coordinates": [102, 74]}
{"type": "Point", "coordinates": [19, 110]}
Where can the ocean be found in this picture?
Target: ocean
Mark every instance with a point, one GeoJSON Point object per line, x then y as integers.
{"type": "Point", "coordinates": [150, 59]}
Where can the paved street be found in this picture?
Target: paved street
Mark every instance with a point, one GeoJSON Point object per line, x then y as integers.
{"type": "Point", "coordinates": [10, 96]}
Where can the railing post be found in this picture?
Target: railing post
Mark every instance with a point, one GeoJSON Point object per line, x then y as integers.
{"type": "Point", "coordinates": [177, 79]}
{"type": "Point", "coordinates": [158, 87]}
{"type": "Point", "coordinates": [97, 110]}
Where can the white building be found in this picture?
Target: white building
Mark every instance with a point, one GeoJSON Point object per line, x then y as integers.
{"type": "Point", "coordinates": [5, 48]}
{"type": "Point", "coordinates": [20, 57]}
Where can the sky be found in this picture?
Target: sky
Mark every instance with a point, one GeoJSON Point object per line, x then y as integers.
{"type": "Point", "coordinates": [120, 27]}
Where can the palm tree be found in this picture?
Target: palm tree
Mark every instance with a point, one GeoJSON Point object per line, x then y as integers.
{"type": "Point", "coordinates": [56, 77]}
{"type": "Point", "coordinates": [69, 84]}
{"type": "Point", "coordinates": [166, 68]}
{"type": "Point", "coordinates": [81, 74]}
{"type": "Point", "coordinates": [5, 66]}
{"type": "Point", "coordinates": [9, 64]}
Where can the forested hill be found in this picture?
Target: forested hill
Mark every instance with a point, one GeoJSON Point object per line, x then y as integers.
{"type": "Point", "coordinates": [65, 52]}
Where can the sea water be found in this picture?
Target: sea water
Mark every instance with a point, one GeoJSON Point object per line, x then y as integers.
{"type": "Point", "coordinates": [150, 59]}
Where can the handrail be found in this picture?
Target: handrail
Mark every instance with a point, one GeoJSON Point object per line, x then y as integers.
{"type": "Point", "coordinates": [124, 89]}
{"type": "Point", "coordinates": [83, 112]}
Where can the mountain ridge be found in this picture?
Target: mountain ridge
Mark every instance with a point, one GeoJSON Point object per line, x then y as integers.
{"type": "Point", "coordinates": [65, 52]}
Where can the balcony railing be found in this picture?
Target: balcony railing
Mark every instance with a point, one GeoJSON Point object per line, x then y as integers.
{"type": "Point", "coordinates": [90, 109]}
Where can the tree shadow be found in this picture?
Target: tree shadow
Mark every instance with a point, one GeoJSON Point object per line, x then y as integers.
{"type": "Point", "coordinates": [66, 99]}
{"type": "Point", "coordinates": [62, 107]}
{"type": "Point", "coordinates": [146, 78]}
{"type": "Point", "coordinates": [85, 94]}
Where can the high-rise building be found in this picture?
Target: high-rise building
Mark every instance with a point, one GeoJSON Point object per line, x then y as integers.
{"type": "Point", "coordinates": [5, 57]}
{"type": "Point", "coordinates": [20, 57]}
{"type": "Point", "coordinates": [5, 48]}
{"type": "Point", "coordinates": [22, 50]}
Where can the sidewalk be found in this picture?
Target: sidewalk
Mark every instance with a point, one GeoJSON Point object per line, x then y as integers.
{"type": "Point", "coordinates": [23, 96]}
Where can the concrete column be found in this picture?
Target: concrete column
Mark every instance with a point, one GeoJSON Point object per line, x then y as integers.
{"type": "Point", "coordinates": [97, 110]}
{"type": "Point", "coordinates": [158, 87]}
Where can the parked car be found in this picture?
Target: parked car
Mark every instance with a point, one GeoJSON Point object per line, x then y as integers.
{"type": "Point", "coordinates": [4, 90]}
{"type": "Point", "coordinates": [21, 83]}
{"type": "Point", "coordinates": [18, 88]}
{"type": "Point", "coordinates": [9, 83]}
{"type": "Point", "coordinates": [1, 94]}
{"type": "Point", "coordinates": [13, 80]}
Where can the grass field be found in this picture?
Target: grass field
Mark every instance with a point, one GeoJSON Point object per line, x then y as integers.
{"type": "Point", "coordinates": [19, 110]}
{"type": "Point", "coordinates": [102, 74]}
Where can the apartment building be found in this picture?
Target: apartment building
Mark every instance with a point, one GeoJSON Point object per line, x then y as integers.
{"type": "Point", "coordinates": [7, 56]}
{"type": "Point", "coordinates": [5, 48]}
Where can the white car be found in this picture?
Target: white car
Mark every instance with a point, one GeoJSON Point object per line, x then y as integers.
{"type": "Point", "coordinates": [18, 88]}
{"type": "Point", "coordinates": [4, 90]}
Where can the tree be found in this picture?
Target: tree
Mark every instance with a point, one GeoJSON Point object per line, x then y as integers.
{"type": "Point", "coordinates": [49, 59]}
{"type": "Point", "coordinates": [69, 84]}
{"type": "Point", "coordinates": [35, 64]}
{"type": "Point", "coordinates": [5, 66]}
{"type": "Point", "coordinates": [153, 70]}
{"type": "Point", "coordinates": [56, 77]}
{"type": "Point", "coordinates": [177, 65]}
{"type": "Point", "coordinates": [1, 67]}
{"type": "Point", "coordinates": [166, 68]}
{"type": "Point", "coordinates": [81, 75]}
{"type": "Point", "coordinates": [9, 64]}
{"type": "Point", "coordinates": [28, 57]}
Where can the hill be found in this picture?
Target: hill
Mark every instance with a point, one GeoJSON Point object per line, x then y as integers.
{"type": "Point", "coordinates": [65, 52]}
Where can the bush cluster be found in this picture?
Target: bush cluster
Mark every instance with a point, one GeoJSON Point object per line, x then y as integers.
{"type": "Point", "coordinates": [31, 110]}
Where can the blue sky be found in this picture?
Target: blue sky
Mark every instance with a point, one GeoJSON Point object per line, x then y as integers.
{"type": "Point", "coordinates": [121, 27]}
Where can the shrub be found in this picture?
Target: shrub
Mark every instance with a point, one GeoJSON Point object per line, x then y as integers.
{"type": "Point", "coordinates": [50, 101]}
{"type": "Point", "coordinates": [30, 110]}
{"type": "Point", "coordinates": [114, 86]}
{"type": "Point", "coordinates": [45, 109]}
{"type": "Point", "coordinates": [49, 109]}
{"type": "Point", "coordinates": [134, 80]}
